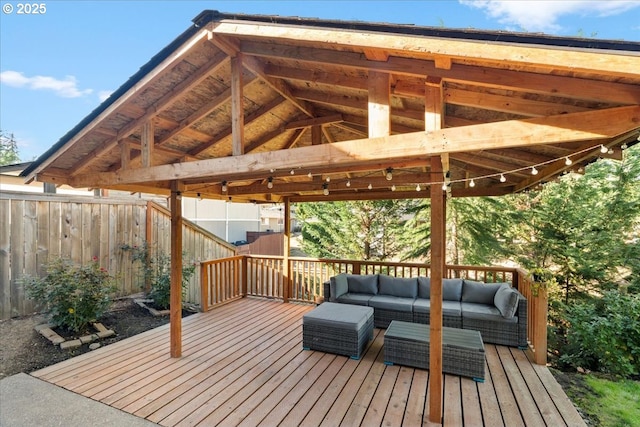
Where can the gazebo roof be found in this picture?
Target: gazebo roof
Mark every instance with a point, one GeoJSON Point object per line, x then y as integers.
{"type": "Point", "coordinates": [262, 108]}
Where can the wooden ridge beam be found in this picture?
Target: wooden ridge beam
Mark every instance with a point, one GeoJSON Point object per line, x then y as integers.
{"type": "Point", "coordinates": [574, 127]}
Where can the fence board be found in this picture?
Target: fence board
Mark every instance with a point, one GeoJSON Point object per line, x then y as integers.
{"type": "Point", "coordinates": [35, 228]}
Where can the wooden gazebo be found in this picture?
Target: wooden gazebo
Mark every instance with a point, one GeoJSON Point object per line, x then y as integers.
{"type": "Point", "coordinates": [278, 109]}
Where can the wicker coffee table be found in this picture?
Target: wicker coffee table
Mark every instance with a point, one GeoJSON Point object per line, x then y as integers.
{"type": "Point", "coordinates": [338, 328]}
{"type": "Point", "coordinates": [462, 349]}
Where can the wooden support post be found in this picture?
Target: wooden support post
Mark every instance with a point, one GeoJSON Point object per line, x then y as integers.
{"type": "Point", "coordinates": [147, 144]}
{"type": "Point", "coordinates": [175, 306]}
{"type": "Point", "coordinates": [285, 250]}
{"type": "Point", "coordinates": [204, 287]}
{"type": "Point", "coordinates": [237, 106]}
{"type": "Point", "coordinates": [433, 121]}
{"type": "Point", "coordinates": [379, 104]}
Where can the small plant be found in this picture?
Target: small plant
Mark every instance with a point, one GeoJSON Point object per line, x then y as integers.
{"type": "Point", "coordinates": [157, 273]}
{"type": "Point", "coordinates": [74, 295]}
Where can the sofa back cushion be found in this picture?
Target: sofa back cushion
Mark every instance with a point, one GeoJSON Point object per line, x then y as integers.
{"type": "Point", "coordinates": [397, 286]}
{"type": "Point", "coordinates": [363, 284]}
{"type": "Point", "coordinates": [451, 289]}
{"type": "Point", "coordinates": [506, 301]}
{"type": "Point", "coordinates": [479, 292]}
{"type": "Point", "coordinates": [338, 286]}
{"type": "Point", "coordinates": [424, 287]}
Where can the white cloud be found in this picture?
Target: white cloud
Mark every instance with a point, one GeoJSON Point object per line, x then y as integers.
{"type": "Point", "coordinates": [67, 88]}
{"type": "Point", "coordinates": [104, 94]}
{"type": "Point", "coordinates": [542, 16]}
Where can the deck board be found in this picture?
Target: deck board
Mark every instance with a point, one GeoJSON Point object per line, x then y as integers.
{"type": "Point", "coordinates": [243, 364]}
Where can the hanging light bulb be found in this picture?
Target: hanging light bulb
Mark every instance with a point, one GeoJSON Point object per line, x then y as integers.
{"type": "Point", "coordinates": [393, 187]}
{"type": "Point", "coordinates": [568, 161]}
{"type": "Point", "coordinates": [270, 182]}
{"type": "Point", "coordinates": [444, 186]}
{"type": "Point", "coordinates": [472, 183]}
{"type": "Point", "coordinates": [224, 186]}
{"type": "Point", "coordinates": [389, 174]}
{"type": "Point", "coordinates": [328, 179]}
{"type": "Point", "coordinates": [348, 183]}
{"type": "Point", "coordinates": [502, 178]}
{"type": "Point", "coordinates": [309, 175]}
{"type": "Point", "coordinates": [624, 146]}
{"type": "Point", "coordinates": [418, 187]}
{"type": "Point", "coordinates": [272, 170]}
{"type": "Point", "coordinates": [534, 171]}
{"type": "Point", "coordinates": [370, 186]}
{"type": "Point", "coordinates": [610, 151]}
{"type": "Point", "coordinates": [292, 172]}
{"type": "Point", "coordinates": [325, 189]}
{"type": "Point", "coordinates": [199, 196]}
{"type": "Point", "coordinates": [603, 149]}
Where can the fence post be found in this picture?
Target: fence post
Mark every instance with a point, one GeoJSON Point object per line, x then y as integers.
{"type": "Point", "coordinates": [204, 287]}
{"type": "Point", "coordinates": [244, 276]}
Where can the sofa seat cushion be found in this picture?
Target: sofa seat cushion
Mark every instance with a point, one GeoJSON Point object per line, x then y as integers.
{"type": "Point", "coordinates": [472, 310]}
{"type": "Point", "coordinates": [449, 308]}
{"type": "Point", "coordinates": [389, 302]}
{"type": "Point", "coordinates": [479, 293]}
{"type": "Point", "coordinates": [397, 286]}
{"type": "Point", "coordinates": [357, 299]}
{"type": "Point", "coordinates": [363, 284]}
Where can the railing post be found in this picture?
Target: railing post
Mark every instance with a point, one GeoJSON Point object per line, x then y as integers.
{"type": "Point", "coordinates": [245, 276]}
{"type": "Point", "coordinates": [540, 328]}
{"type": "Point", "coordinates": [204, 287]}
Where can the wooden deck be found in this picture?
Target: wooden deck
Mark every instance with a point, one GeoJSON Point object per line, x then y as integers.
{"type": "Point", "coordinates": [243, 364]}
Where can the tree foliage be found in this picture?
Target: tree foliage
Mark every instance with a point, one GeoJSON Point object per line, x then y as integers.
{"type": "Point", "coordinates": [368, 230]}
{"type": "Point", "coordinates": [8, 149]}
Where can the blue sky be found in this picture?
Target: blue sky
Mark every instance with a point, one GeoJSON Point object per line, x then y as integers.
{"type": "Point", "coordinates": [56, 67]}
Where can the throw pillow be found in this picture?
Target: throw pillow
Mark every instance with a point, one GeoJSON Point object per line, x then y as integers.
{"type": "Point", "coordinates": [506, 301]}
{"type": "Point", "coordinates": [338, 286]}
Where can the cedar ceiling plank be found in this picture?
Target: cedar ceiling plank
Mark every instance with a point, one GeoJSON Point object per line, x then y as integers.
{"type": "Point", "coordinates": [591, 125]}
{"type": "Point", "coordinates": [203, 111]}
{"type": "Point", "coordinates": [334, 118]}
{"type": "Point", "coordinates": [577, 88]}
{"type": "Point", "coordinates": [156, 108]}
{"type": "Point", "coordinates": [428, 48]}
{"type": "Point", "coordinates": [247, 120]}
{"type": "Point", "coordinates": [278, 85]}
{"type": "Point", "coordinates": [496, 165]}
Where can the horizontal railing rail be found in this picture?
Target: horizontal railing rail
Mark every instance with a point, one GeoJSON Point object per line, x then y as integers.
{"type": "Point", "coordinates": [302, 279]}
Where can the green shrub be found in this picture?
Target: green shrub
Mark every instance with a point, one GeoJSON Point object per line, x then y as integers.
{"type": "Point", "coordinates": [157, 273]}
{"type": "Point", "coordinates": [73, 295]}
{"type": "Point", "coordinates": [604, 335]}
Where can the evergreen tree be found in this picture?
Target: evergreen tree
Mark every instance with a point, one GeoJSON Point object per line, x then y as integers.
{"type": "Point", "coordinates": [8, 149]}
{"type": "Point", "coordinates": [367, 230]}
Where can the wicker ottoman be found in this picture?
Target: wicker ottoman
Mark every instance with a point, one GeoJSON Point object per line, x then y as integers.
{"type": "Point", "coordinates": [338, 328]}
{"type": "Point", "coordinates": [462, 349]}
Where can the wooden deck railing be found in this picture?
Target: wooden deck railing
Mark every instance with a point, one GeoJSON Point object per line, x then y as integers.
{"type": "Point", "coordinates": [227, 279]}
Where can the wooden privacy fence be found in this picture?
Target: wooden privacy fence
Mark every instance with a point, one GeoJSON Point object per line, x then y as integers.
{"type": "Point", "coordinates": [225, 280]}
{"type": "Point", "coordinates": [35, 228]}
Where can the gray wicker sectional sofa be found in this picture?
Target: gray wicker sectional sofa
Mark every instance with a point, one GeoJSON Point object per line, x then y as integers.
{"type": "Point", "coordinates": [497, 310]}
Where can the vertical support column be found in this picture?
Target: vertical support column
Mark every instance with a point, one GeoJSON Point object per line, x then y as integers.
{"type": "Point", "coordinates": [147, 141]}
{"type": "Point", "coordinates": [237, 106]}
{"type": "Point", "coordinates": [286, 249]}
{"type": "Point", "coordinates": [175, 306]}
{"type": "Point", "coordinates": [433, 121]}
{"type": "Point", "coordinates": [379, 104]}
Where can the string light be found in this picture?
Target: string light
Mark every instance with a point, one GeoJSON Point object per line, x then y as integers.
{"type": "Point", "coordinates": [348, 183]}
{"type": "Point", "coordinates": [418, 187]}
{"type": "Point", "coordinates": [199, 197]}
{"type": "Point", "coordinates": [534, 171]}
{"type": "Point", "coordinates": [370, 186]}
{"type": "Point", "coordinates": [444, 186]}
{"type": "Point", "coordinates": [292, 172]}
{"type": "Point", "coordinates": [502, 178]}
{"type": "Point", "coordinates": [309, 175]}
{"type": "Point", "coordinates": [568, 161]}
{"type": "Point", "coordinates": [472, 183]}
{"type": "Point", "coordinates": [328, 179]}
{"type": "Point", "coordinates": [270, 182]}
{"type": "Point", "coordinates": [224, 186]}
{"type": "Point", "coordinates": [389, 174]}
{"type": "Point", "coordinates": [393, 187]}
{"type": "Point", "coordinates": [603, 149]}
{"type": "Point", "coordinates": [325, 189]}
